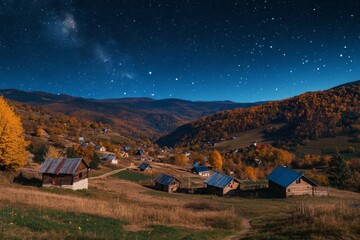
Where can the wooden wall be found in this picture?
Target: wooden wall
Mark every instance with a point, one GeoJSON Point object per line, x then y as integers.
{"type": "Point", "coordinates": [295, 189]}
{"type": "Point", "coordinates": [277, 189]}
{"type": "Point", "coordinates": [231, 189]}
{"type": "Point", "coordinates": [57, 180]}
{"type": "Point", "coordinates": [300, 188]}
{"type": "Point", "coordinates": [82, 172]}
{"type": "Point", "coordinates": [173, 187]}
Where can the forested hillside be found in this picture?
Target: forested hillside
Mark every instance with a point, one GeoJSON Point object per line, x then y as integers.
{"type": "Point", "coordinates": [308, 116]}
{"type": "Point", "coordinates": [137, 118]}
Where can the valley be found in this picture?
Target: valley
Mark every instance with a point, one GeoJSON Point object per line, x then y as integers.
{"type": "Point", "coordinates": [122, 202]}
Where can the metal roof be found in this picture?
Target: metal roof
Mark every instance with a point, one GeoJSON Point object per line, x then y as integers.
{"type": "Point", "coordinates": [219, 180]}
{"type": "Point", "coordinates": [110, 157]}
{"type": "Point", "coordinates": [196, 164]}
{"type": "Point", "coordinates": [61, 165]}
{"type": "Point", "coordinates": [164, 179]}
{"type": "Point", "coordinates": [144, 166]}
{"type": "Point", "coordinates": [286, 176]}
{"type": "Point", "coordinates": [200, 169]}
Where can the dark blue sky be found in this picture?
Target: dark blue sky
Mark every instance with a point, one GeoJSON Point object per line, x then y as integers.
{"type": "Point", "coordinates": [243, 51]}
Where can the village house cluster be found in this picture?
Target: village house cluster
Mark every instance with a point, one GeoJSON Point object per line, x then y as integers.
{"type": "Point", "coordinates": [73, 173]}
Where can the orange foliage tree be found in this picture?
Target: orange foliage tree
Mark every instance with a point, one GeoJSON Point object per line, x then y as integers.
{"type": "Point", "coordinates": [216, 160]}
{"type": "Point", "coordinates": [12, 142]}
{"type": "Point", "coordinates": [250, 173]}
{"type": "Point", "coordinates": [180, 160]}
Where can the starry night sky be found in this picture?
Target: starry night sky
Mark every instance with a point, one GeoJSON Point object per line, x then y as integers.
{"type": "Point", "coordinates": [242, 51]}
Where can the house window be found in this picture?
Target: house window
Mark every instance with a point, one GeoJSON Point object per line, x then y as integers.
{"type": "Point", "coordinates": [80, 175]}
{"type": "Point", "coordinates": [298, 181]}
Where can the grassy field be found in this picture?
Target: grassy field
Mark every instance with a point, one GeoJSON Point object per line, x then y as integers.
{"type": "Point", "coordinates": [133, 176]}
{"type": "Point", "coordinates": [245, 139]}
{"type": "Point", "coordinates": [328, 146]}
{"type": "Point", "coordinates": [117, 208]}
{"type": "Point", "coordinates": [24, 223]}
{"type": "Point", "coordinates": [322, 146]}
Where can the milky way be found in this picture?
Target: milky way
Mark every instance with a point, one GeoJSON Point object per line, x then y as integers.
{"type": "Point", "coordinates": [199, 50]}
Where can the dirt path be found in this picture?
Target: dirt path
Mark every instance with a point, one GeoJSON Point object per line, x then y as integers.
{"type": "Point", "coordinates": [242, 233]}
{"type": "Point", "coordinates": [113, 172]}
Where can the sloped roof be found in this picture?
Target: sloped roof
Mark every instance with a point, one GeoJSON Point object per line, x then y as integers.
{"type": "Point", "coordinates": [164, 179]}
{"type": "Point", "coordinates": [61, 165]}
{"type": "Point", "coordinates": [111, 157]}
{"type": "Point", "coordinates": [200, 169]}
{"type": "Point", "coordinates": [139, 152]}
{"type": "Point", "coordinates": [196, 164]}
{"type": "Point", "coordinates": [286, 176]}
{"type": "Point", "coordinates": [144, 166]}
{"type": "Point", "coordinates": [219, 180]}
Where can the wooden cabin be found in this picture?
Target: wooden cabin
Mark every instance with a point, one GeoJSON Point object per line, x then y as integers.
{"type": "Point", "coordinates": [221, 184]}
{"type": "Point", "coordinates": [166, 183]}
{"type": "Point", "coordinates": [72, 173]}
{"type": "Point", "coordinates": [112, 159]}
{"type": "Point", "coordinates": [144, 167]}
{"type": "Point", "coordinates": [201, 171]}
{"type": "Point", "coordinates": [286, 182]}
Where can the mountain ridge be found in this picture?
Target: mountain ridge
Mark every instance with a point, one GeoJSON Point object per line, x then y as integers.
{"type": "Point", "coordinates": [135, 117]}
{"type": "Point", "coordinates": [307, 116]}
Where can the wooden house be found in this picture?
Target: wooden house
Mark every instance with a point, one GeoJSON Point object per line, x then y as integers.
{"type": "Point", "coordinates": [144, 167]}
{"type": "Point", "coordinates": [201, 171]}
{"type": "Point", "coordinates": [112, 159]}
{"type": "Point", "coordinates": [70, 173]}
{"type": "Point", "coordinates": [286, 182]}
{"type": "Point", "coordinates": [221, 184]}
{"type": "Point", "coordinates": [100, 148]}
{"type": "Point", "coordinates": [139, 152]}
{"type": "Point", "coordinates": [166, 183]}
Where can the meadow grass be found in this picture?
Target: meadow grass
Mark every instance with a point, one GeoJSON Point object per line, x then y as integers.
{"type": "Point", "coordinates": [317, 220]}
{"type": "Point", "coordinates": [161, 215]}
{"type": "Point", "coordinates": [133, 176]}
{"type": "Point", "coordinates": [25, 223]}
{"type": "Point", "coordinates": [122, 209]}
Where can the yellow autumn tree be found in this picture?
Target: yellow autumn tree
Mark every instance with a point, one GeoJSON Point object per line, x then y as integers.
{"type": "Point", "coordinates": [54, 152]}
{"type": "Point", "coordinates": [12, 142]}
{"type": "Point", "coordinates": [250, 173]}
{"type": "Point", "coordinates": [216, 160]}
{"type": "Point", "coordinates": [39, 131]}
{"type": "Point", "coordinates": [180, 160]}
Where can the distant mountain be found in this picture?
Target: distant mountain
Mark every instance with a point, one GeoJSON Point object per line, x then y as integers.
{"type": "Point", "coordinates": [133, 117]}
{"type": "Point", "coordinates": [308, 116]}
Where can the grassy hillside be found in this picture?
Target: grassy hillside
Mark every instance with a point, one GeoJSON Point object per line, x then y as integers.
{"type": "Point", "coordinates": [320, 146]}
{"type": "Point", "coordinates": [120, 209]}
{"type": "Point", "coordinates": [312, 115]}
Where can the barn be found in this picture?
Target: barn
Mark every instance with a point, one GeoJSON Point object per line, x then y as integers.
{"type": "Point", "coordinates": [69, 173]}
{"type": "Point", "coordinates": [286, 182]}
{"type": "Point", "coordinates": [221, 184]}
{"type": "Point", "coordinates": [166, 183]}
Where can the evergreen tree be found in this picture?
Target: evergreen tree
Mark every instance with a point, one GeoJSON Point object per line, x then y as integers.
{"type": "Point", "coordinates": [12, 142]}
{"type": "Point", "coordinates": [338, 173]}
{"type": "Point", "coordinates": [95, 161]}
{"type": "Point", "coordinates": [71, 153]}
{"type": "Point", "coordinates": [39, 151]}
